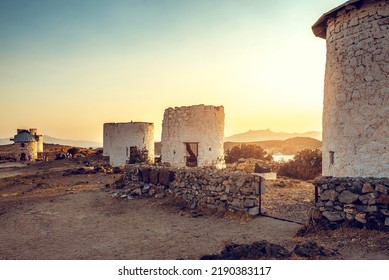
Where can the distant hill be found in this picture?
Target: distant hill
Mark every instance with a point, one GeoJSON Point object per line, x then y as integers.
{"type": "Point", "coordinates": [51, 140]}
{"type": "Point", "coordinates": [5, 141]}
{"type": "Point", "coordinates": [287, 147]}
{"type": "Point", "coordinates": [267, 134]}
{"type": "Point", "coordinates": [74, 143]}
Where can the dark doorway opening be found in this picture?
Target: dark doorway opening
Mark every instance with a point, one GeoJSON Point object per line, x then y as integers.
{"type": "Point", "coordinates": [23, 157]}
{"type": "Point", "coordinates": [192, 152]}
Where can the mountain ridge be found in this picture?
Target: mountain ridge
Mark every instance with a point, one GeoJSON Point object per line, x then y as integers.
{"type": "Point", "coordinates": [289, 146]}
{"type": "Point", "coordinates": [267, 134]}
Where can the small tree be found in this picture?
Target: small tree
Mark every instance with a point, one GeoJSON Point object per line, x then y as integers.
{"type": "Point", "coordinates": [73, 151]}
{"type": "Point", "coordinates": [306, 165]}
{"type": "Point", "coordinates": [138, 155]}
{"type": "Point", "coordinates": [244, 151]}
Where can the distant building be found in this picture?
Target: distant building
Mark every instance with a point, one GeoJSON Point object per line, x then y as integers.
{"type": "Point", "coordinates": [28, 144]}
{"type": "Point", "coordinates": [121, 139]}
{"type": "Point", "coordinates": [193, 136]}
{"type": "Point", "coordinates": [356, 89]}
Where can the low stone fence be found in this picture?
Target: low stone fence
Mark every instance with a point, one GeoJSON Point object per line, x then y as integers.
{"type": "Point", "coordinates": [357, 202]}
{"type": "Point", "coordinates": [214, 188]}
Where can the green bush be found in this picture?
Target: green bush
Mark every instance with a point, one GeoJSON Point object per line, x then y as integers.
{"type": "Point", "coordinates": [138, 155]}
{"type": "Point", "coordinates": [306, 165]}
{"type": "Point", "coordinates": [244, 151]}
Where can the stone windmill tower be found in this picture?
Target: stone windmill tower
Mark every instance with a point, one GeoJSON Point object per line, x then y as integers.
{"type": "Point", "coordinates": [356, 89]}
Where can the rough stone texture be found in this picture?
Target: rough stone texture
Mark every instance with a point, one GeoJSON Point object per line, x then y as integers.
{"type": "Point", "coordinates": [356, 103]}
{"type": "Point", "coordinates": [348, 197]}
{"type": "Point", "coordinates": [201, 186]}
{"type": "Point", "coordinates": [350, 205]}
{"type": "Point", "coordinates": [120, 137]}
{"type": "Point", "coordinates": [194, 124]}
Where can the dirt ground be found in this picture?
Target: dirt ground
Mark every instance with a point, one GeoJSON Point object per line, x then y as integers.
{"type": "Point", "coordinates": [44, 215]}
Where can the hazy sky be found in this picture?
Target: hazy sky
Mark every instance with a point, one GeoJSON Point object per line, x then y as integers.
{"type": "Point", "coordinates": [67, 67]}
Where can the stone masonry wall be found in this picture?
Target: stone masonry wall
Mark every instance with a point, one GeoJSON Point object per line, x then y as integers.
{"type": "Point", "coordinates": [234, 191]}
{"type": "Point", "coordinates": [194, 124]}
{"type": "Point", "coordinates": [29, 148]}
{"type": "Point", "coordinates": [359, 202]}
{"type": "Point", "coordinates": [120, 137]}
{"type": "Point", "coordinates": [356, 103]}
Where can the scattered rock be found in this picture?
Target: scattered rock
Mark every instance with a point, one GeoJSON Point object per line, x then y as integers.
{"type": "Point", "coordinates": [257, 250]}
{"type": "Point", "coordinates": [312, 250]}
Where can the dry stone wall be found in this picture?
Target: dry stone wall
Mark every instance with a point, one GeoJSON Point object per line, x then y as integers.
{"type": "Point", "coordinates": [356, 95]}
{"type": "Point", "coordinates": [234, 191]}
{"type": "Point", "coordinates": [201, 125]}
{"type": "Point", "coordinates": [120, 137]}
{"type": "Point", "coordinates": [359, 202]}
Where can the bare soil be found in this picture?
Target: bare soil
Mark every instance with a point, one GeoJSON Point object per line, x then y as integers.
{"type": "Point", "coordinates": [45, 215]}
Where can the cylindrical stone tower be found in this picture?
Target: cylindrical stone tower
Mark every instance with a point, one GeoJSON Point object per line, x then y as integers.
{"type": "Point", "coordinates": [356, 89]}
{"type": "Point", "coordinates": [120, 139]}
{"type": "Point", "coordinates": [193, 136]}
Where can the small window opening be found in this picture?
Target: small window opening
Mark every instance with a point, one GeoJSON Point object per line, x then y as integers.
{"type": "Point", "coordinates": [22, 145]}
{"type": "Point", "coordinates": [332, 157]}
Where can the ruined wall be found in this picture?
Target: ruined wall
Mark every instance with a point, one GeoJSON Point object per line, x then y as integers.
{"type": "Point", "coordinates": [235, 191]}
{"type": "Point", "coordinates": [359, 202]}
{"type": "Point", "coordinates": [120, 137]}
{"type": "Point", "coordinates": [356, 95]}
{"type": "Point", "coordinates": [194, 124]}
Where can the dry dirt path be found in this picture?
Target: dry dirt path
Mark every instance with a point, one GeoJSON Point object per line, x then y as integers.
{"type": "Point", "coordinates": [45, 215]}
{"type": "Point", "coordinates": [92, 225]}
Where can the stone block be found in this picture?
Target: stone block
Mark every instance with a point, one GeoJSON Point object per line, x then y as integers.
{"type": "Point", "coordinates": [240, 182]}
{"type": "Point", "coordinates": [383, 199]}
{"type": "Point", "coordinates": [236, 203]}
{"type": "Point", "coordinates": [165, 177]}
{"type": "Point", "coordinates": [329, 203]}
{"type": "Point", "coordinates": [254, 211]}
{"type": "Point", "coordinates": [350, 208]}
{"type": "Point", "coordinates": [246, 190]}
{"type": "Point", "coordinates": [348, 197]}
{"type": "Point", "coordinates": [350, 217]}
{"type": "Point", "coordinates": [361, 217]}
{"type": "Point", "coordinates": [334, 216]}
{"type": "Point", "coordinates": [367, 188]}
{"type": "Point", "coordinates": [154, 176]}
{"type": "Point", "coordinates": [145, 174]}
{"type": "Point", "coordinates": [329, 195]}
{"type": "Point", "coordinates": [249, 203]}
{"type": "Point", "coordinates": [381, 189]}
{"type": "Point", "coordinates": [367, 208]}
{"type": "Point", "coordinates": [369, 198]}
